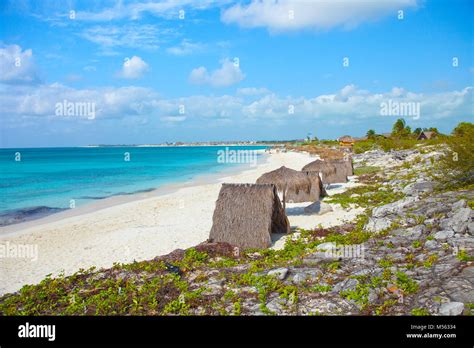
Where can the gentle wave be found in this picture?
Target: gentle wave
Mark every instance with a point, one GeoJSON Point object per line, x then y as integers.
{"type": "Point", "coordinates": [27, 214]}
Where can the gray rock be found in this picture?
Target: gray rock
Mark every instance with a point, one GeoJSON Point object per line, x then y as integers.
{"type": "Point", "coordinates": [451, 308]}
{"type": "Point", "coordinates": [276, 305]}
{"type": "Point", "coordinates": [465, 242]}
{"type": "Point", "coordinates": [459, 204]}
{"type": "Point", "coordinates": [432, 208]}
{"type": "Point", "coordinates": [372, 296]}
{"type": "Point", "coordinates": [280, 273]}
{"type": "Point", "coordinates": [468, 272]}
{"type": "Point", "coordinates": [446, 224]}
{"type": "Point", "coordinates": [378, 224]}
{"type": "Point", "coordinates": [461, 219]}
{"type": "Point", "coordinates": [255, 309]}
{"type": "Point", "coordinates": [418, 187]}
{"type": "Point", "coordinates": [347, 284]}
{"type": "Point", "coordinates": [326, 246]}
{"type": "Point", "coordinates": [364, 272]}
{"type": "Point", "coordinates": [318, 257]}
{"type": "Point", "coordinates": [411, 233]}
{"type": "Point", "coordinates": [431, 244]}
{"type": "Point", "coordinates": [299, 278]}
{"type": "Point", "coordinates": [397, 256]}
{"type": "Point", "coordinates": [430, 221]}
{"type": "Point", "coordinates": [461, 287]}
{"type": "Point", "coordinates": [393, 208]}
{"type": "Point", "coordinates": [213, 287]}
{"type": "Point", "coordinates": [318, 208]}
{"type": "Point", "coordinates": [470, 228]}
{"type": "Point", "coordinates": [443, 235]}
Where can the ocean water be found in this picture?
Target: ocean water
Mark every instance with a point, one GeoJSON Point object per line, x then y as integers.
{"type": "Point", "coordinates": [45, 180]}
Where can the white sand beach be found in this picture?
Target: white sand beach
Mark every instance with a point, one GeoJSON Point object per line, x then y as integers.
{"type": "Point", "coordinates": [139, 227]}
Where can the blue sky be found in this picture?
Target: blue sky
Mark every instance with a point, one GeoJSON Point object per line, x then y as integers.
{"type": "Point", "coordinates": [229, 70]}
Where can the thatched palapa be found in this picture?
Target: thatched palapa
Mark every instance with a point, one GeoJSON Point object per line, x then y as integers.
{"type": "Point", "coordinates": [330, 174]}
{"type": "Point", "coordinates": [296, 186]}
{"type": "Point", "coordinates": [246, 215]}
{"type": "Point", "coordinates": [344, 164]}
{"type": "Point", "coordinates": [317, 188]}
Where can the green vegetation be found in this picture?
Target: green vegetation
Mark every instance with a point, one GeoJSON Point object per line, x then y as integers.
{"type": "Point", "coordinates": [385, 263]}
{"type": "Point", "coordinates": [364, 146]}
{"type": "Point", "coordinates": [400, 128]}
{"type": "Point", "coordinates": [405, 283]}
{"type": "Point", "coordinates": [470, 204]}
{"type": "Point", "coordinates": [401, 138]}
{"type": "Point", "coordinates": [463, 256]}
{"type": "Point", "coordinates": [321, 288]}
{"type": "Point", "coordinates": [420, 312]}
{"type": "Point", "coordinates": [463, 129]}
{"type": "Point", "coordinates": [370, 134]}
{"type": "Point", "coordinates": [457, 166]}
{"type": "Point", "coordinates": [366, 196]}
{"type": "Point", "coordinates": [430, 261]}
{"type": "Point", "coordinates": [359, 295]}
{"type": "Point", "coordinates": [366, 170]}
{"type": "Point", "coordinates": [469, 309]}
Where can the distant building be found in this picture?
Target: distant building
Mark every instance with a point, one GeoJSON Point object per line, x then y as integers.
{"type": "Point", "coordinates": [426, 135]}
{"type": "Point", "coordinates": [346, 140]}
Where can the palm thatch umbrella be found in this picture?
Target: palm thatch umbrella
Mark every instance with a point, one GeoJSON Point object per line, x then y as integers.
{"type": "Point", "coordinates": [317, 187]}
{"type": "Point", "coordinates": [247, 214]}
{"type": "Point", "coordinates": [329, 172]}
{"type": "Point", "coordinates": [295, 185]}
{"type": "Point", "coordinates": [341, 171]}
{"type": "Point", "coordinates": [345, 164]}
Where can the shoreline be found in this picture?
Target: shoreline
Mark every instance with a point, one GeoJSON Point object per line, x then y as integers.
{"type": "Point", "coordinates": [141, 145]}
{"type": "Point", "coordinates": [140, 227]}
{"type": "Point", "coordinates": [114, 200]}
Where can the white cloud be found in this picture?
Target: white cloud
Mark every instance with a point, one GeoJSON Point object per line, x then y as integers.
{"type": "Point", "coordinates": [57, 13]}
{"type": "Point", "coordinates": [292, 15]}
{"type": "Point", "coordinates": [133, 68]}
{"type": "Point", "coordinates": [173, 119]}
{"type": "Point", "coordinates": [186, 47]}
{"type": "Point", "coordinates": [228, 74]}
{"type": "Point", "coordinates": [252, 91]}
{"type": "Point", "coordinates": [135, 10]}
{"type": "Point", "coordinates": [17, 65]}
{"type": "Point", "coordinates": [351, 103]}
{"type": "Point", "coordinates": [136, 36]}
{"type": "Point", "coordinates": [23, 103]}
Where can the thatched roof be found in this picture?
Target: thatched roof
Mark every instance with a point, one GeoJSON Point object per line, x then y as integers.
{"type": "Point", "coordinates": [295, 185]}
{"type": "Point", "coordinates": [346, 138]}
{"type": "Point", "coordinates": [320, 166]}
{"type": "Point", "coordinates": [346, 164]}
{"type": "Point", "coordinates": [426, 135]}
{"type": "Point", "coordinates": [246, 214]}
{"type": "Point", "coordinates": [330, 173]}
{"type": "Point", "coordinates": [317, 188]}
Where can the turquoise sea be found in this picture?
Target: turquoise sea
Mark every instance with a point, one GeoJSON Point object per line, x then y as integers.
{"type": "Point", "coordinates": [41, 181]}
